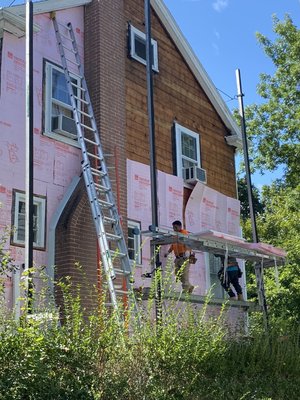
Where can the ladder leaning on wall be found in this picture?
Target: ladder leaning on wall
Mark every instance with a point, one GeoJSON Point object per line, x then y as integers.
{"type": "Point", "coordinates": [111, 241]}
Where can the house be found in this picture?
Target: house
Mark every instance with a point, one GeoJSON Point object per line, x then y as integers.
{"type": "Point", "coordinates": [196, 137]}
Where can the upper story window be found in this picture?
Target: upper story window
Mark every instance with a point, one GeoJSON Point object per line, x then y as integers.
{"type": "Point", "coordinates": [137, 44]}
{"type": "Point", "coordinates": [134, 242]}
{"type": "Point", "coordinates": [187, 149]}
{"type": "Point", "coordinates": [39, 220]}
{"type": "Point", "coordinates": [59, 122]}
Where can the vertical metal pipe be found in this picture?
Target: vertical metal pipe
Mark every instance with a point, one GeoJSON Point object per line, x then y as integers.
{"type": "Point", "coordinates": [150, 107]}
{"type": "Point", "coordinates": [29, 145]}
{"type": "Point", "coordinates": [258, 267]}
{"type": "Point", "coordinates": [153, 171]}
{"type": "Point", "coordinates": [246, 156]}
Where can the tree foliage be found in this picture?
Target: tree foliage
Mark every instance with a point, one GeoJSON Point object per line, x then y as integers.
{"type": "Point", "coordinates": [280, 225]}
{"type": "Point", "coordinates": [274, 125]}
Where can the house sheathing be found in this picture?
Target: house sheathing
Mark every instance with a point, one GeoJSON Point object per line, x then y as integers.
{"type": "Point", "coordinates": [118, 91]}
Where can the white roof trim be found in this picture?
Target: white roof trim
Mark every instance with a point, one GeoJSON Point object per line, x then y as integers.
{"type": "Point", "coordinates": [45, 6]}
{"type": "Point", "coordinates": [13, 23]}
{"type": "Point", "coordinates": [198, 70]}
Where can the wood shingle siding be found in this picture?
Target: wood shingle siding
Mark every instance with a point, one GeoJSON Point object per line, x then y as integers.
{"type": "Point", "coordinates": [177, 97]}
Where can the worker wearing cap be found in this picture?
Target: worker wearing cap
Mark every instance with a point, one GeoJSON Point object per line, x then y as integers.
{"type": "Point", "coordinates": [181, 262]}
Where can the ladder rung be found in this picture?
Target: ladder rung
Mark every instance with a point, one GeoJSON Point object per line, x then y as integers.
{"type": "Point", "coordinates": [94, 156]}
{"type": "Point", "coordinates": [121, 272]}
{"type": "Point", "coordinates": [91, 141]}
{"type": "Point", "coordinates": [109, 219]}
{"type": "Point", "coordinates": [105, 203]}
{"type": "Point", "coordinates": [117, 254]}
{"type": "Point", "coordinates": [87, 127]}
{"type": "Point", "coordinates": [96, 171]}
{"type": "Point", "coordinates": [84, 113]}
{"type": "Point", "coordinates": [101, 187]}
{"type": "Point", "coordinates": [112, 236]}
{"type": "Point", "coordinates": [72, 62]}
{"type": "Point", "coordinates": [63, 25]}
{"type": "Point", "coordinates": [80, 99]}
{"type": "Point", "coordinates": [65, 37]}
{"type": "Point", "coordinates": [78, 87]}
{"type": "Point", "coordinates": [68, 48]}
{"type": "Point", "coordinates": [122, 291]}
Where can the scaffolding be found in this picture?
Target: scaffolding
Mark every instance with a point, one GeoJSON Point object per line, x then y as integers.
{"type": "Point", "coordinates": [261, 254]}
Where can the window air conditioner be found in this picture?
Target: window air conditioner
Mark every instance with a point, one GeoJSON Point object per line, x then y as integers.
{"type": "Point", "coordinates": [194, 174]}
{"type": "Point", "coordinates": [64, 125]}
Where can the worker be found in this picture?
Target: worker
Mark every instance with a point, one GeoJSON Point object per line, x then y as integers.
{"type": "Point", "coordinates": [182, 254]}
{"type": "Point", "coordinates": [232, 275]}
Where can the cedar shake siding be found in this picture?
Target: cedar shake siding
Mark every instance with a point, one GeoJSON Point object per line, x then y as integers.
{"type": "Point", "coordinates": [177, 97]}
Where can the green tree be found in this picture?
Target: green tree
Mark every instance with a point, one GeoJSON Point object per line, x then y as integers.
{"type": "Point", "coordinates": [280, 225]}
{"type": "Point", "coordinates": [274, 125]}
{"type": "Point", "coordinates": [243, 197]}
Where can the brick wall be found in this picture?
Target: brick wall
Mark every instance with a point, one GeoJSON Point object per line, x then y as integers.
{"type": "Point", "coordinates": [105, 54]}
{"type": "Point", "coordinates": [76, 247]}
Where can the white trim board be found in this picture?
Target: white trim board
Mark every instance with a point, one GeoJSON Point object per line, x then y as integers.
{"type": "Point", "coordinates": [45, 6]}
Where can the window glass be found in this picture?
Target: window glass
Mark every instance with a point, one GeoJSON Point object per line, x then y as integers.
{"type": "Point", "coordinates": [134, 242]}
{"type": "Point", "coordinates": [214, 266]}
{"type": "Point", "coordinates": [187, 149]}
{"type": "Point", "coordinates": [39, 215]}
{"type": "Point", "coordinates": [59, 87]}
{"type": "Point", "coordinates": [59, 119]}
{"type": "Point", "coordinates": [131, 249]}
{"type": "Point", "coordinates": [138, 47]}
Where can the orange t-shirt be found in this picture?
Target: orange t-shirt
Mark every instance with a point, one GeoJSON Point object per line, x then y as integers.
{"type": "Point", "coordinates": [179, 248]}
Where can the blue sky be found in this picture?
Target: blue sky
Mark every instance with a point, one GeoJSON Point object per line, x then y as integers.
{"type": "Point", "coordinates": [222, 34]}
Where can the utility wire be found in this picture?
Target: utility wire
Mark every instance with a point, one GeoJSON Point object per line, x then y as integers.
{"type": "Point", "coordinates": [230, 97]}
{"type": "Point", "coordinates": [13, 3]}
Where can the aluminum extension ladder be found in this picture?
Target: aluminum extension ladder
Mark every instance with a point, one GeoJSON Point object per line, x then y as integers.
{"type": "Point", "coordinates": [112, 245]}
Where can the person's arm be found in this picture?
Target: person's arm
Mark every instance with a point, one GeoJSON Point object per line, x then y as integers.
{"type": "Point", "coordinates": [169, 251]}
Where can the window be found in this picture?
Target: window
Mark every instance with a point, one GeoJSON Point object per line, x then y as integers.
{"type": "Point", "coordinates": [214, 266]}
{"type": "Point", "coordinates": [39, 217]}
{"type": "Point", "coordinates": [137, 45]}
{"type": "Point", "coordinates": [59, 122]}
{"type": "Point", "coordinates": [134, 242]}
{"type": "Point", "coordinates": [187, 149]}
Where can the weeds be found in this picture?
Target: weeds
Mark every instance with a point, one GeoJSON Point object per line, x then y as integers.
{"type": "Point", "coordinates": [87, 356]}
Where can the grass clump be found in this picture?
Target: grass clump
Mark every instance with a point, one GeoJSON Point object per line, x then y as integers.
{"type": "Point", "coordinates": [189, 356]}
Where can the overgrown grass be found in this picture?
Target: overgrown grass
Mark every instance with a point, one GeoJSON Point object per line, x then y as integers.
{"type": "Point", "coordinates": [189, 357]}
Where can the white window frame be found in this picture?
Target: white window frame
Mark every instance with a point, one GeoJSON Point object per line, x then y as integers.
{"type": "Point", "coordinates": [217, 288]}
{"type": "Point", "coordinates": [179, 131]}
{"type": "Point", "coordinates": [48, 101]}
{"type": "Point", "coordinates": [134, 32]}
{"type": "Point", "coordinates": [40, 202]}
{"type": "Point", "coordinates": [137, 242]}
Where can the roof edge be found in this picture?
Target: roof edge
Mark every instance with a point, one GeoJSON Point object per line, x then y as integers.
{"type": "Point", "coordinates": [198, 71]}
{"type": "Point", "coordinates": [13, 23]}
{"type": "Point", "coordinates": [45, 6]}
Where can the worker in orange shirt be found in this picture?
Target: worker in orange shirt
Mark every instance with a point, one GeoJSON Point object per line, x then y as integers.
{"type": "Point", "coordinates": [182, 254]}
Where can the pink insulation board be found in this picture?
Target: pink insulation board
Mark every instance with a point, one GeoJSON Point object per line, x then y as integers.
{"type": "Point", "coordinates": [55, 163]}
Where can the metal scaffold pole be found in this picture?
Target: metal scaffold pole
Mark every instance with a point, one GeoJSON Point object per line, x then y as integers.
{"type": "Point", "coordinates": [29, 151]}
{"type": "Point", "coordinates": [258, 267]}
{"type": "Point", "coordinates": [153, 171]}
